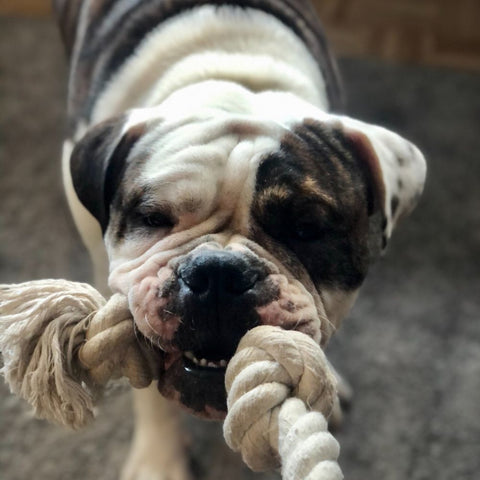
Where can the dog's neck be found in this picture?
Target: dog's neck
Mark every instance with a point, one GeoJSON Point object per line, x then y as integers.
{"type": "Point", "coordinates": [245, 48]}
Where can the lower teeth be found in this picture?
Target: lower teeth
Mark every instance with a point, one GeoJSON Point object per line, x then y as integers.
{"type": "Point", "coordinates": [204, 362]}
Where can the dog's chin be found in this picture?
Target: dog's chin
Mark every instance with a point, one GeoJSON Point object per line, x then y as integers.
{"type": "Point", "coordinates": [198, 388]}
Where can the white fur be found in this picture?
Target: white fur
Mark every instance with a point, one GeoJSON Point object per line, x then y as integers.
{"type": "Point", "coordinates": [209, 42]}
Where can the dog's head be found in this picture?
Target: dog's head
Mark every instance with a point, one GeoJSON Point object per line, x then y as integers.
{"type": "Point", "coordinates": [215, 222]}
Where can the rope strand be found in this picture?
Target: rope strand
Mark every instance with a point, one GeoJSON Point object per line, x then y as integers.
{"type": "Point", "coordinates": [61, 343]}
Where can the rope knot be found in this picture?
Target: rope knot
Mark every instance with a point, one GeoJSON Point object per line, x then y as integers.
{"type": "Point", "coordinates": [270, 366]}
{"type": "Point", "coordinates": [61, 342]}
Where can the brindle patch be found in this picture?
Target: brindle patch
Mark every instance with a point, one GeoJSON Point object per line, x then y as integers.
{"type": "Point", "coordinates": [324, 220]}
{"type": "Point", "coordinates": [274, 193]}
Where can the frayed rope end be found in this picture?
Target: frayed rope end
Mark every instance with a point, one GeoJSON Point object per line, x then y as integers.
{"type": "Point", "coordinates": [43, 323]}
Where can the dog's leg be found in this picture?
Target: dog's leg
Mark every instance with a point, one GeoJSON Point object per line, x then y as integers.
{"type": "Point", "coordinates": [342, 402]}
{"type": "Point", "coordinates": [158, 449]}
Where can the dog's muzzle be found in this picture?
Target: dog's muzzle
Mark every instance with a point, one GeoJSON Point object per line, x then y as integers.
{"type": "Point", "coordinates": [216, 295]}
{"type": "Point", "coordinates": [198, 306]}
{"type": "Point", "coordinates": [219, 291]}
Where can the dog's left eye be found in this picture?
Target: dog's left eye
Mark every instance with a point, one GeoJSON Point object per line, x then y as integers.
{"type": "Point", "coordinates": [308, 231]}
{"type": "Point", "coordinates": [157, 220]}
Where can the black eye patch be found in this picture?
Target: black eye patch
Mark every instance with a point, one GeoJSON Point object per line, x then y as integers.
{"type": "Point", "coordinates": [156, 220]}
{"type": "Point", "coordinates": [311, 200]}
{"type": "Point", "coordinates": [140, 210]}
{"type": "Point", "coordinates": [296, 219]}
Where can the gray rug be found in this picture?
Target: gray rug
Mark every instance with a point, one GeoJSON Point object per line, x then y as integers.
{"type": "Point", "coordinates": [411, 347]}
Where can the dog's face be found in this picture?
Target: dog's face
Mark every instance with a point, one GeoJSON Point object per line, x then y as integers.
{"type": "Point", "coordinates": [215, 222]}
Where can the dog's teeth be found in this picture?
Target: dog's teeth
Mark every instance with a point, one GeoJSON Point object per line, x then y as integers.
{"type": "Point", "coordinates": [204, 362]}
{"type": "Point", "coordinates": [192, 357]}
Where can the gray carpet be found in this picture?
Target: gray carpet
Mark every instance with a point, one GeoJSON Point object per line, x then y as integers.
{"type": "Point", "coordinates": [411, 347]}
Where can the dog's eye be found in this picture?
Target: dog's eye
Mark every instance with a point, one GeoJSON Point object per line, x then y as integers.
{"type": "Point", "coordinates": [157, 220]}
{"type": "Point", "coordinates": [308, 231]}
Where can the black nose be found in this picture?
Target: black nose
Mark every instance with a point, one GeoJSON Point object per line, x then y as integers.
{"type": "Point", "coordinates": [215, 273]}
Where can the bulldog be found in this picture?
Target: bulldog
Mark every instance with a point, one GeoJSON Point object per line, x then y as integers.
{"type": "Point", "coordinates": [214, 187]}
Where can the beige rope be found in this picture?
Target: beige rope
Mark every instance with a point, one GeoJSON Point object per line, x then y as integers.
{"type": "Point", "coordinates": [111, 349]}
{"type": "Point", "coordinates": [43, 329]}
{"type": "Point", "coordinates": [280, 392]}
{"type": "Point", "coordinates": [61, 342]}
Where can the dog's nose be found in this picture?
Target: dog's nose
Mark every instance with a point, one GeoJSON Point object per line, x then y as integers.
{"type": "Point", "coordinates": [214, 273]}
{"type": "Point", "coordinates": [217, 296]}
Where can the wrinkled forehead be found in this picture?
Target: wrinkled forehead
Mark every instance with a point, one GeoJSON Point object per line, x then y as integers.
{"type": "Point", "coordinates": [215, 162]}
{"type": "Point", "coordinates": [196, 161]}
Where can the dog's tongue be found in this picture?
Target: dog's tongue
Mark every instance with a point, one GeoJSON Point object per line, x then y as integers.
{"type": "Point", "coordinates": [200, 390]}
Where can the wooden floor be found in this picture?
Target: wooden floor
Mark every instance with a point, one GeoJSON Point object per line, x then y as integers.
{"type": "Point", "coordinates": [434, 32]}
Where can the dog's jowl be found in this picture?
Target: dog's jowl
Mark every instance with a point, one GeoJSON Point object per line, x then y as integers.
{"type": "Point", "coordinates": [215, 188]}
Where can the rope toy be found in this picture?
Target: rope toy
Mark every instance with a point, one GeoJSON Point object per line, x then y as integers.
{"type": "Point", "coordinates": [62, 342]}
{"type": "Point", "coordinates": [280, 392]}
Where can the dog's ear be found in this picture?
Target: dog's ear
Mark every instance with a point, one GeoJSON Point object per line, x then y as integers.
{"type": "Point", "coordinates": [98, 162]}
{"type": "Point", "coordinates": [395, 169]}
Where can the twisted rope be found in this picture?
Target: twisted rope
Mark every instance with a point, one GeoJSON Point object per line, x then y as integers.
{"type": "Point", "coordinates": [44, 328]}
{"type": "Point", "coordinates": [61, 343]}
{"type": "Point", "coordinates": [280, 392]}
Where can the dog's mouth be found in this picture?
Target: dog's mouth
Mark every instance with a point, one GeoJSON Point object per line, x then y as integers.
{"type": "Point", "coordinates": [200, 362]}
{"type": "Point", "coordinates": [199, 315]}
{"type": "Point", "coordinates": [196, 380]}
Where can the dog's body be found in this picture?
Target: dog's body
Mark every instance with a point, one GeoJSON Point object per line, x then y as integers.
{"type": "Point", "coordinates": [213, 188]}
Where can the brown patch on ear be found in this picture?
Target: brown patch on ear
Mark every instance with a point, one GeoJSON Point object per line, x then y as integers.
{"type": "Point", "coordinates": [371, 166]}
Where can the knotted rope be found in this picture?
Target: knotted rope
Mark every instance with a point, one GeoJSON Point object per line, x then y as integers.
{"type": "Point", "coordinates": [61, 343]}
{"type": "Point", "coordinates": [280, 391]}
